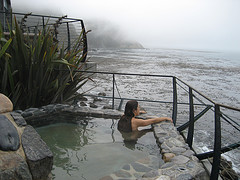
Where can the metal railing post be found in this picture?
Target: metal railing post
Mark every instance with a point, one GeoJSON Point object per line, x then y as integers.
{"type": "Point", "coordinates": [174, 112]}
{"type": "Point", "coordinates": [217, 145]}
{"type": "Point", "coordinates": [191, 119]}
{"type": "Point", "coordinates": [43, 23]}
{"type": "Point", "coordinates": [113, 91]}
{"type": "Point", "coordinates": [85, 46]}
{"type": "Point", "coordinates": [68, 33]}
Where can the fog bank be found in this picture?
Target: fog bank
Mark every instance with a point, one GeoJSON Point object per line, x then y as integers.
{"type": "Point", "coordinates": [195, 24]}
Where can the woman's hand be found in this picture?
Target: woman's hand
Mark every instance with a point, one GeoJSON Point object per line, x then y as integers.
{"type": "Point", "coordinates": [142, 112]}
{"type": "Point", "coordinates": [169, 119]}
{"type": "Point", "coordinates": [164, 119]}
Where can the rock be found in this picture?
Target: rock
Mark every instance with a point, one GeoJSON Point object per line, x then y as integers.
{"type": "Point", "coordinates": [13, 166]}
{"type": "Point", "coordinates": [92, 105]}
{"type": "Point", "coordinates": [123, 174]}
{"type": "Point", "coordinates": [151, 174]}
{"type": "Point", "coordinates": [168, 156]}
{"type": "Point", "coordinates": [102, 94]}
{"type": "Point", "coordinates": [188, 153]}
{"type": "Point", "coordinates": [9, 140]}
{"type": "Point", "coordinates": [140, 167]}
{"type": "Point", "coordinates": [163, 177]}
{"type": "Point", "coordinates": [167, 165]}
{"type": "Point", "coordinates": [126, 167]}
{"type": "Point", "coordinates": [175, 142]}
{"type": "Point", "coordinates": [19, 120]}
{"type": "Point", "coordinates": [83, 104]}
{"type": "Point", "coordinates": [180, 159]}
{"type": "Point", "coordinates": [5, 104]}
{"type": "Point", "coordinates": [185, 177]}
{"type": "Point", "coordinates": [178, 150]}
{"type": "Point", "coordinates": [95, 99]}
{"type": "Point", "coordinates": [82, 98]}
{"type": "Point", "coordinates": [38, 155]}
{"type": "Point", "coordinates": [107, 107]}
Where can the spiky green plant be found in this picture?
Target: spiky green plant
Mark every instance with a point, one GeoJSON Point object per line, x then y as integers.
{"type": "Point", "coordinates": [36, 71]}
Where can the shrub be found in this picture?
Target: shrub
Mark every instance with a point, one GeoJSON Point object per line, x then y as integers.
{"type": "Point", "coordinates": [36, 71]}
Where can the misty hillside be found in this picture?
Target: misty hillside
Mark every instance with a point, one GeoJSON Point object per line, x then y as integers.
{"type": "Point", "coordinates": [106, 35]}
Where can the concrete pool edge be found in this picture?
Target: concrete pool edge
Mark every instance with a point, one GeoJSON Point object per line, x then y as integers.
{"type": "Point", "coordinates": [180, 161]}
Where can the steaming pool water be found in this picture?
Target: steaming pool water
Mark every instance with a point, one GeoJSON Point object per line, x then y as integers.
{"type": "Point", "coordinates": [93, 148]}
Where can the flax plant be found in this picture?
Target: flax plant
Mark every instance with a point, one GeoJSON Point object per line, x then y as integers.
{"type": "Point", "coordinates": [36, 71]}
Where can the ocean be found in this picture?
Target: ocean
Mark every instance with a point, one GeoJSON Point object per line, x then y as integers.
{"type": "Point", "coordinates": [214, 74]}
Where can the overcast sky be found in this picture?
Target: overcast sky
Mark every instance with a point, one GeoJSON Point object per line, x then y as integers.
{"type": "Point", "coordinates": [193, 24]}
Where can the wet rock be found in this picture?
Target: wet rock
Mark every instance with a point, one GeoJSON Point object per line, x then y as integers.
{"type": "Point", "coordinates": [188, 153]}
{"type": "Point", "coordinates": [163, 177]}
{"type": "Point", "coordinates": [83, 104]}
{"type": "Point", "coordinates": [9, 140]}
{"type": "Point", "coordinates": [168, 156]}
{"type": "Point", "coordinates": [82, 98]}
{"type": "Point", "coordinates": [191, 164]}
{"type": "Point", "coordinates": [144, 160]}
{"type": "Point", "coordinates": [140, 168]}
{"type": "Point", "coordinates": [38, 155]}
{"type": "Point", "coordinates": [5, 104]}
{"type": "Point", "coordinates": [92, 105]}
{"type": "Point", "coordinates": [102, 94]}
{"type": "Point", "coordinates": [164, 146]}
{"type": "Point", "coordinates": [19, 120]}
{"type": "Point", "coordinates": [151, 174]}
{"type": "Point", "coordinates": [180, 159]}
{"type": "Point", "coordinates": [185, 177]}
{"type": "Point", "coordinates": [13, 166]}
{"type": "Point", "coordinates": [167, 165]}
{"type": "Point", "coordinates": [175, 142]}
{"type": "Point", "coordinates": [123, 174]}
{"type": "Point", "coordinates": [95, 99]}
{"type": "Point", "coordinates": [178, 150]}
{"type": "Point", "coordinates": [107, 107]}
{"type": "Point", "coordinates": [126, 167]}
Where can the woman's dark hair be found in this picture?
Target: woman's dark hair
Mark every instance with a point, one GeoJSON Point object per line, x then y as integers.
{"type": "Point", "coordinates": [130, 106]}
{"type": "Point", "coordinates": [124, 123]}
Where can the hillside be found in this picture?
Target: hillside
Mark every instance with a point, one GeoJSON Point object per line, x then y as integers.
{"type": "Point", "coordinates": [105, 35]}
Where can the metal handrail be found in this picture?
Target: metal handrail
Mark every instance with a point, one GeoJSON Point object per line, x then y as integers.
{"type": "Point", "coordinates": [42, 23]}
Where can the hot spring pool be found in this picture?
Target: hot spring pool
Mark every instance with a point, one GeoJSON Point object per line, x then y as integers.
{"type": "Point", "coordinates": [93, 148]}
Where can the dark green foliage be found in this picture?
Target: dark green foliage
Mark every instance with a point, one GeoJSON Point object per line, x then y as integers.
{"type": "Point", "coordinates": [30, 69]}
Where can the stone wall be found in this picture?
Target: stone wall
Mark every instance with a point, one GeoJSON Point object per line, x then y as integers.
{"type": "Point", "coordinates": [23, 154]}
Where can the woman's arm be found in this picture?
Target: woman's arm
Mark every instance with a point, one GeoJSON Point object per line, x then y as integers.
{"type": "Point", "coordinates": [140, 122]}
